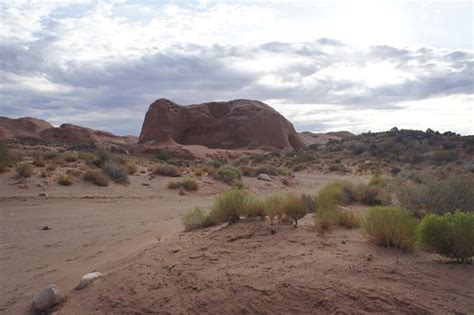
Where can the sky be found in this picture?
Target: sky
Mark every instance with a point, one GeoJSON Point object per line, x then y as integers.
{"type": "Point", "coordinates": [326, 65]}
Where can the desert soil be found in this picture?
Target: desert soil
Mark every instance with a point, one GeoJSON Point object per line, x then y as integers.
{"type": "Point", "coordinates": [253, 268]}
{"type": "Point", "coordinates": [95, 228]}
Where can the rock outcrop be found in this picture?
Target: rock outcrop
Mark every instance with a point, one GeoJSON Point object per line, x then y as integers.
{"type": "Point", "coordinates": [227, 125]}
{"type": "Point", "coordinates": [25, 128]}
{"type": "Point", "coordinates": [32, 129]}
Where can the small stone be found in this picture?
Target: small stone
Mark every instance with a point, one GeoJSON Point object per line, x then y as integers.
{"type": "Point", "coordinates": [88, 279]}
{"type": "Point", "coordinates": [47, 297]}
{"type": "Point", "coordinates": [43, 194]}
{"type": "Point", "coordinates": [46, 228]}
{"type": "Point", "coordinates": [146, 184]}
{"type": "Point", "coordinates": [367, 162]}
{"type": "Point", "coordinates": [343, 242]}
{"type": "Point", "coordinates": [264, 177]}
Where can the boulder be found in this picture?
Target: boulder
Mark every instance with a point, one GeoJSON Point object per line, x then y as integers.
{"type": "Point", "coordinates": [264, 177]}
{"type": "Point", "coordinates": [47, 298]}
{"type": "Point", "coordinates": [226, 125]}
{"type": "Point", "coordinates": [88, 279]}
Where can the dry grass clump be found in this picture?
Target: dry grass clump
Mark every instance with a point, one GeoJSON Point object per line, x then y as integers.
{"type": "Point", "coordinates": [97, 178]}
{"type": "Point", "coordinates": [167, 170]}
{"type": "Point", "coordinates": [274, 208]}
{"type": "Point", "coordinates": [70, 157]}
{"type": "Point", "coordinates": [24, 170]}
{"type": "Point", "coordinates": [39, 162]}
{"type": "Point", "coordinates": [255, 208]}
{"type": "Point", "coordinates": [6, 157]}
{"type": "Point", "coordinates": [334, 194]}
{"type": "Point", "coordinates": [74, 172]}
{"type": "Point", "coordinates": [65, 181]}
{"type": "Point", "coordinates": [229, 206]}
{"type": "Point", "coordinates": [228, 174]}
{"type": "Point", "coordinates": [188, 184]}
{"type": "Point", "coordinates": [367, 194]}
{"type": "Point", "coordinates": [326, 219]}
{"type": "Point", "coordinates": [131, 168]}
{"type": "Point", "coordinates": [451, 235]}
{"type": "Point", "coordinates": [390, 227]}
{"type": "Point", "coordinates": [87, 157]}
{"type": "Point", "coordinates": [116, 172]}
{"type": "Point", "coordinates": [294, 207]}
{"type": "Point", "coordinates": [51, 156]}
{"type": "Point", "coordinates": [349, 218]}
{"type": "Point", "coordinates": [197, 219]}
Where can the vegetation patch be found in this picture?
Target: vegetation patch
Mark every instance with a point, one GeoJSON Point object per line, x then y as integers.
{"type": "Point", "coordinates": [228, 174]}
{"type": "Point", "coordinates": [229, 206]}
{"type": "Point", "coordinates": [97, 178]}
{"type": "Point", "coordinates": [390, 227]}
{"type": "Point", "coordinates": [24, 170]}
{"type": "Point", "coordinates": [115, 172]}
{"type": "Point", "coordinates": [450, 235]}
{"type": "Point", "coordinates": [197, 219]}
{"type": "Point", "coordinates": [188, 184]}
{"type": "Point", "coordinates": [167, 170]}
{"type": "Point", "coordinates": [65, 181]}
{"type": "Point", "coordinates": [6, 157]}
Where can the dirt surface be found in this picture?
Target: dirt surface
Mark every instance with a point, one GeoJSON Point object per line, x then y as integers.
{"type": "Point", "coordinates": [92, 228]}
{"type": "Point", "coordinates": [248, 269]}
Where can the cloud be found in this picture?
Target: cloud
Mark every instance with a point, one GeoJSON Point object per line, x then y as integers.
{"type": "Point", "coordinates": [82, 62]}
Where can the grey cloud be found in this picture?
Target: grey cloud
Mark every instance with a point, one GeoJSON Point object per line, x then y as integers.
{"type": "Point", "coordinates": [191, 74]}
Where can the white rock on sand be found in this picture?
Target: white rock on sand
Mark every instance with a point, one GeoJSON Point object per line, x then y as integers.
{"type": "Point", "coordinates": [47, 297]}
{"type": "Point", "coordinates": [88, 279]}
{"type": "Point", "coordinates": [264, 177]}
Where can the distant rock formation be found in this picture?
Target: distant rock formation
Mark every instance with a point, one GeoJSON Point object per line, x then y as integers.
{"type": "Point", "coordinates": [227, 125]}
{"type": "Point", "coordinates": [309, 138]}
{"type": "Point", "coordinates": [25, 128]}
{"type": "Point", "coordinates": [32, 129]}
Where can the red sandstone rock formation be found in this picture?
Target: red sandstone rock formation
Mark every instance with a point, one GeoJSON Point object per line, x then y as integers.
{"type": "Point", "coordinates": [228, 125]}
{"type": "Point", "coordinates": [25, 128]}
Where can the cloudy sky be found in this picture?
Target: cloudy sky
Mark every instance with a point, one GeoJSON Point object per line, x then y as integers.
{"type": "Point", "coordinates": [327, 65]}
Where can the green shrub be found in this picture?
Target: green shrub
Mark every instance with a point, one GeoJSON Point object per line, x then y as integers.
{"type": "Point", "coordinates": [197, 219]}
{"type": "Point", "coordinates": [24, 170]}
{"type": "Point", "coordinates": [438, 196]}
{"type": "Point", "coordinates": [5, 157]}
{"type": "Point", "coordinates": [96, 177]}
{"type": "Point", "coordinates": [267, 169]}
{"type": "Point", "coordinates": [167, 170]}
{"type": "Point", "coordinates": [65, 180]}
{"type": "Point", "coordinates": [229, 206]}
{"type": "Point", "coordinates": [115, 172]}
{"type": "Point", "coordinates": [87, 157]}
{"type": "Point", "coordinates": [326, 220]}
{"type": "Point", "coordinates": [309, 202]}
{"type": "Point", "coordinates": [188, 184]}
{"type": "Point", "coordinates": [165, 155]}
{"type": "Point", "coordinates": [255, 208]}
{"type": "Point", "coordinates": [294, 207]}
{"type": "Point", "coordinates": [274, 208]}
{"type": "Point", "coordinates": [451, 235]}
{"type": "Point", "coordinates": [228, 174]}
{"type": "Point", "coordinates": [51, 155]}
{"type": "Point", "coordinates": [378, 181]}
{"type": "Point", "coordinates": [390, 226]}
{"type": "Point", "coordinates": [247, 170]}
{"type": "Point", "coordinates": [334, 194]}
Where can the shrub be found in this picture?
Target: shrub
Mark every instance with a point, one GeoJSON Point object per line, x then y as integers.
{"type": "Point", "coordinates": [309, 202]}
{"type": "Point", "coordinates": [115, 172]}
{"type": "Point", "coordinates": [70, 157]}
{"type": "Point", "coordinates": [228, 174]}
{"type": "Point", "coordinates": [437, 195]}
{"type": "Point", "coordinates": [229, 206]}
{"type": "Point", "coordinates": [378, 181]}
{"type": "Point", "coordinates": [167, 170]}
{"type": "Point", "coordinates": [326, 219]}
{"type": "Point", "coordinates": [247, 170]}
{"type": "Point", "coordinates": [197, 219]}
{"type": "Point", "coordinates": [24, 170]}
{"type": "Point", "coordinates": [97, 178]}
{"type": "Point", "coordinates": [368, 195]}
{"type": "Point", "coordinates": [65, 180]}
{"type": "Point", "coordinates": [5, 157]}
{"type": "Point", "coordinates": [39, 163]}
{"type": "Point", "coordinates": [267, 169]}
{"type": "Point", "coordinates": [294, 207]}
{"type": "Point", "coordinates": [274, 208]}
{"type": "Point", "coordinates": [187, 184]}
{"type": "Point", "coordinates": [333, 194]}
{"type": "Point", "coordinates": [451, 235]}
{"type": "Point", "coordinates": [390, 226]}
{"type": "Point", "coordinates": [87, 157]}
{"type": "Point", "coordinates": [51, 155]}
{"type": "Point", "coordinates": [131, 168]}
{"type": "Point", "coordinates": [255, 208]}
{"type": "Point", "coordinates": [349, 219]}
{"type": "Point", "coordinates": [165, 155]}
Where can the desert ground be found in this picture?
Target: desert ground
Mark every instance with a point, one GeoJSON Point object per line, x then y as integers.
{"type": "Point", "coordinates": [95, 228]}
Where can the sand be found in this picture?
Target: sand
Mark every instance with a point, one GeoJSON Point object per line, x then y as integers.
{"type": "Point", "coordinates": [94, 228]}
